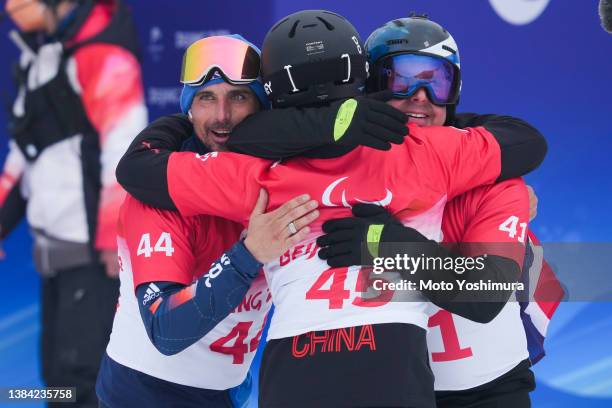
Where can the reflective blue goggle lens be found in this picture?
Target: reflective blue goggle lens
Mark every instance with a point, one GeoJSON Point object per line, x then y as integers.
{"type": "Point", "coordinates": [404, 74]}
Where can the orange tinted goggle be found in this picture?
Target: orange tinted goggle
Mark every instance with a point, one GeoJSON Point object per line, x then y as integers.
{"type": "Point", "coordinates": [238, 61]}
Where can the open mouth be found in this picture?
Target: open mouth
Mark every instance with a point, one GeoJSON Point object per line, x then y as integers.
{"type": "Point", "coordinates": [221, 136]}
{"type": "Point", "coordinates": [417, 115]}
{"type": "Point", "coordinates": [421, 119]}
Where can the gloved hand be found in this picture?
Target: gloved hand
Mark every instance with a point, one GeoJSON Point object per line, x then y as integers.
{"type": "Point", "coordinates": [344, 242]}
{"type": "Point", "coordinates": [367, 121]}
{"type": "Point", "coordinates": [282, 133]}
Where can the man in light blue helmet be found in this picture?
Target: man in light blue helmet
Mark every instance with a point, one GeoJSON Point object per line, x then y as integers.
{"type": "Point", "coordinates": [474, 364]}
{"type": "Point", "coordinates": [185, 332]}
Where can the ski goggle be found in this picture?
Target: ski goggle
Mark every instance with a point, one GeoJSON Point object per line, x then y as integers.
{"type": "Point", "coordinates": [236, 60]}
{"type": "Point", "coordinates": [404, 74]}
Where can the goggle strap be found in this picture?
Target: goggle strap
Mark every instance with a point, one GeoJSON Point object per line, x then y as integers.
{"type": "Point", "coordinates": [303, 76]}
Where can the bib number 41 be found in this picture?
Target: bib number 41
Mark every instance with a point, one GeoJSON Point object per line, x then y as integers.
{"type": "Point", "coordinates": [510, 226]}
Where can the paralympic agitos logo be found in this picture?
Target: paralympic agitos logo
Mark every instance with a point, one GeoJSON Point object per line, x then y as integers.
{"type": "Point", "coordinates": [328, 200]}
{"type": "Point", "coordinates": [519, 12]}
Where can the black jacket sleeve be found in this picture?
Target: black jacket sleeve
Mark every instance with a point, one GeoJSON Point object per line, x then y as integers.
{"type": "Point", "coordinates": [282, 133]}
{"type": "Point", "coordinates": [142, 171]}
{"type": "Point", "coordinates": [479, 306]}
{"type": "Point", "coordinates": [12, 211]}
{"type": "Point", "coordinates": [523, 148]}
{"type": "Point", "coordinates": [278, 134]}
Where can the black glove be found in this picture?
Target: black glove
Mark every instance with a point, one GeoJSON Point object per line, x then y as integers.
{"type": "Point", "coordinates": [356, 241]}
{"type": "Point", "coordinates": [367, 121]}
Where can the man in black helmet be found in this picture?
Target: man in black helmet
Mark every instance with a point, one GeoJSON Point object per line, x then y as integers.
{"type": "Point", "coordinates": [342, 330]}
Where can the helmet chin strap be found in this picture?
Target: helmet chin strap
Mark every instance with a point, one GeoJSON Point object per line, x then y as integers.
{"type": "Point", "coordinates": [451, 110]}
{"type": "Point", "coordinates": [450, 114]}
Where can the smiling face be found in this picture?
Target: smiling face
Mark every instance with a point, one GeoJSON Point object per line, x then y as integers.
{"type": "Point", "coordinates": [420, 110]}
{"type": "Point", "coordinates": [217, 109]}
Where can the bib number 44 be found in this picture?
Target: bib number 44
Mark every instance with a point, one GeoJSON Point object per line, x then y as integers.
{"type": "Point", "coordinates": [163, 244]}
{"type": "Point", "coordinates": [234, 343]}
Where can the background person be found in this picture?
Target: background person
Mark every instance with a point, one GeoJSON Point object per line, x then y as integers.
{"type": "Point", "coordinates": [70, 124]}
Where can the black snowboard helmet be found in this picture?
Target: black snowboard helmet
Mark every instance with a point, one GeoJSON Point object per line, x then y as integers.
{"type": "Point", "coordinates": [312, 56]}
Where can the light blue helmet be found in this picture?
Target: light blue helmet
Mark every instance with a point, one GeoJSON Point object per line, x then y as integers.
{"type": "Point", "coordinates": [413, 35]}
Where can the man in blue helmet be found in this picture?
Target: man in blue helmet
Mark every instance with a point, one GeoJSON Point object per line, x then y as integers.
{"type": "Point", "coordinates": [474, 364]}
{"type": "Point", "coordinates": [181, 323]}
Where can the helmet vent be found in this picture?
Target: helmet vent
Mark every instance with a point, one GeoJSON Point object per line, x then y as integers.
{"type": "Point", "coordinates": [329, 26]}
{"type": "Point", "coordinates": [398, 23]}
{"type": "Point", "coordinates": [449, 49]}
{"type": "Point", "coordinates": [292, 32]}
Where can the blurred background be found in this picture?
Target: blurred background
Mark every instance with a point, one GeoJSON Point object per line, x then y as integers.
{"type": "Point", "coordinates": [548, 62]}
